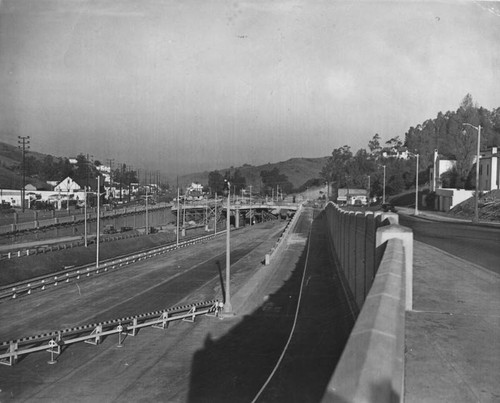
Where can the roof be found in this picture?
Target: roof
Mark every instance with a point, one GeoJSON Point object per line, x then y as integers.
{"type": "Point", "coordinates": [352, 192]}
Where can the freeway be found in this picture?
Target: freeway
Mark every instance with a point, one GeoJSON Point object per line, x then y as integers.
{"type": "Point", "coordinates": [146, 286]}
{"type": "Point", "coordinates": [211, 359]}
{"type": "Point", "coordinates": [475, 243]}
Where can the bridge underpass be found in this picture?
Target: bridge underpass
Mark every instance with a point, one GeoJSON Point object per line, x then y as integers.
{"type": "Point", "coordinates": [163, 364]}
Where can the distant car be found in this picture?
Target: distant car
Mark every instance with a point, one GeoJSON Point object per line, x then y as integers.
{"type": "Point", "coordinates": [386, 207]}
{"type": "Point", "coordinates": [126, 229]}
{"type": "Point", "coordinates": [109, 229]}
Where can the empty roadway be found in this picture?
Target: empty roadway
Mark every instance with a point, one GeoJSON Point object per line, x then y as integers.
{"type": "Point", "coordinates": [209, 360]}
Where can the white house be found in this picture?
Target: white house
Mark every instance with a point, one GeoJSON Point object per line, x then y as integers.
{"type": "Point", "coordinates": [446, 199]}
{"type": "Point", "coordinates": [67, 185]}
{"type": "Point", "coordinates": [489, 170]}
{"type": "Point", "coordinates": [352, 196]}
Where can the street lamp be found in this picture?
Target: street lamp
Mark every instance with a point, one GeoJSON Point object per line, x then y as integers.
{"type": "Point", "coordinates": [178, 212]}
{"type": "Point", "coordinates": [383, 188]}
{"type": "Point", "coordinates": [85, 206]}
{"type": "Point", "coordinates": [228, 309]}
{"type": "Point", "coordinates": [416, 182]}
{"type": "Point", "coordinates": [98, 221]}
{"type": "Point", "coordinates": [369, 187]}
{"type": "Point", "coordinates": [250, 203]}
{"type": "Point", "coordinates": [476, 197]}
{"type": "Point", "coordinates": [215, 215]}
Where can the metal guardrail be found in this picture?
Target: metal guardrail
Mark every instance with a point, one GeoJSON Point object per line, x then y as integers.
{"type": "Point", "coordinates": [41, 283]}
{"type": "Point", "coordinates": [291, 224]}
{"type": "Point", "coordinates": [36, 250]}
{"type": "Point", "coordinates": [94, 333]}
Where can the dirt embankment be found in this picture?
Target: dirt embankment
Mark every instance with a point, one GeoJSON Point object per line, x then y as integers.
{"type": "Point", "coordinates": [489, 207]}
{"type": "Point", "coordinates": [27, 267]}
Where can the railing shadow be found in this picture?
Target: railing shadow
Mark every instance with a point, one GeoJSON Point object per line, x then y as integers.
{"type": "Point", "coordinates": [234, 367]}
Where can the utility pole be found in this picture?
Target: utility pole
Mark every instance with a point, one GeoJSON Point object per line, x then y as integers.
{"type": "Point", "coordinates": [23, 145]}
{"type": "Point", "coordinates": [110, 163]}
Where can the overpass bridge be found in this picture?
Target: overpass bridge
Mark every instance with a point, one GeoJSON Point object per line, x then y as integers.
{"type": "Point", "coordinates": [241, 212]}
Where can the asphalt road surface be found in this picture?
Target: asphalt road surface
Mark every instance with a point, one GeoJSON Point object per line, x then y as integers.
{"type": "Point", "coordinates": [211, 360]}
{"type": "Point", "coordinates": [474, 243]}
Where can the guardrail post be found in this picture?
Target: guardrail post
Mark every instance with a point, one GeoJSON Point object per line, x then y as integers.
{"type": "Point", "coordinates": [134, 328]}
{"type": "Point", "coordinates": [406, 236]}
{"type": "Point", "coordinates": [164, 323]}
{"type": "Point", "coordinates": [12, 351]}
{"type": "Point", "coordinates": [97, 332]}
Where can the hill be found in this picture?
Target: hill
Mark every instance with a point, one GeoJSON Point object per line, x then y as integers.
{"type": "Point", "coordinates": [298, 171]}
{"type": "Point", "coordinates": [11, 158]}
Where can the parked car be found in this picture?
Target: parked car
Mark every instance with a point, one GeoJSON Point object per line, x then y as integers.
{"type": "Point", "coordinates": [386, 207]}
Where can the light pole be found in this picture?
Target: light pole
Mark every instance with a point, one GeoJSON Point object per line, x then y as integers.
{"type": "Point", "coordinates": [383, 189]}
{"type": "Point", "coordinates": [147, 221]}
{"type": "Point", "coordinates": [215, 212]}
{"type": "Point", "coordinates": [250, 203]}
{"type": "Point", "coordinates": [228, 309]}
{"type": "Point", "coordinates": [416, 182]}
{"type": "Point", "coordinates": [178, 212]}
{"type": "Point", "coordinates": [85, 212]}
{"type": "Point", "coordinates": [98, 193]}
{"type": "Point", "coordinates": [476, 197]}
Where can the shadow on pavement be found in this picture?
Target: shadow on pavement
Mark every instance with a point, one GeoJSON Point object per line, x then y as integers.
{"type": "Point", "coordinates": [234, 367]}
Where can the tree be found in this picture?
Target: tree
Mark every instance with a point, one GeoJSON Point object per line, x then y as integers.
{"type": "Point", "coordinates": [238, 181]}
{"type": "Point", "coordinates": [274, 180]}
{"type": "Point", "coordinates": [335, 169]}
{"type": "Point", "coordinates": [374, 145]}
{"type": "Point", "coordinates": [216, 182]}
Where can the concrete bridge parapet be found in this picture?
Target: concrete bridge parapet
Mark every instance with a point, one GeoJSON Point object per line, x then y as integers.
{"type": "Point", "coordinates": [371, 368]}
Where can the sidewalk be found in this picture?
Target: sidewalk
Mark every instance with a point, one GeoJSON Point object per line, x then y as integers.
{"type": "Point", "coordinates": [453, 332]}
{"type": "Point", "coordinates": [440, 216]}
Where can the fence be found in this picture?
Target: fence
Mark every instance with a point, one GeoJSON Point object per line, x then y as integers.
{"type": "Point", "coordinates": [75, 218]}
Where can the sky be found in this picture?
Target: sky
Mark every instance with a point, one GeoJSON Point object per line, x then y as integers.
{"type": "Point", "coordinates": [192, 85]}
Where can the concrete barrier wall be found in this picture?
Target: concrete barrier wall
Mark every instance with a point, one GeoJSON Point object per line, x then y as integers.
{"type": "Point", "coordinates": [375, 255]}
{"type": "Point", "coordinates": [353, 237]}
{"type": "Point", "coordinates": [371, 368]}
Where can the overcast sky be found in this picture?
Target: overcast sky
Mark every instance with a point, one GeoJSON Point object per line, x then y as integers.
{"type": "Point", "coordinates": [184, 86]}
